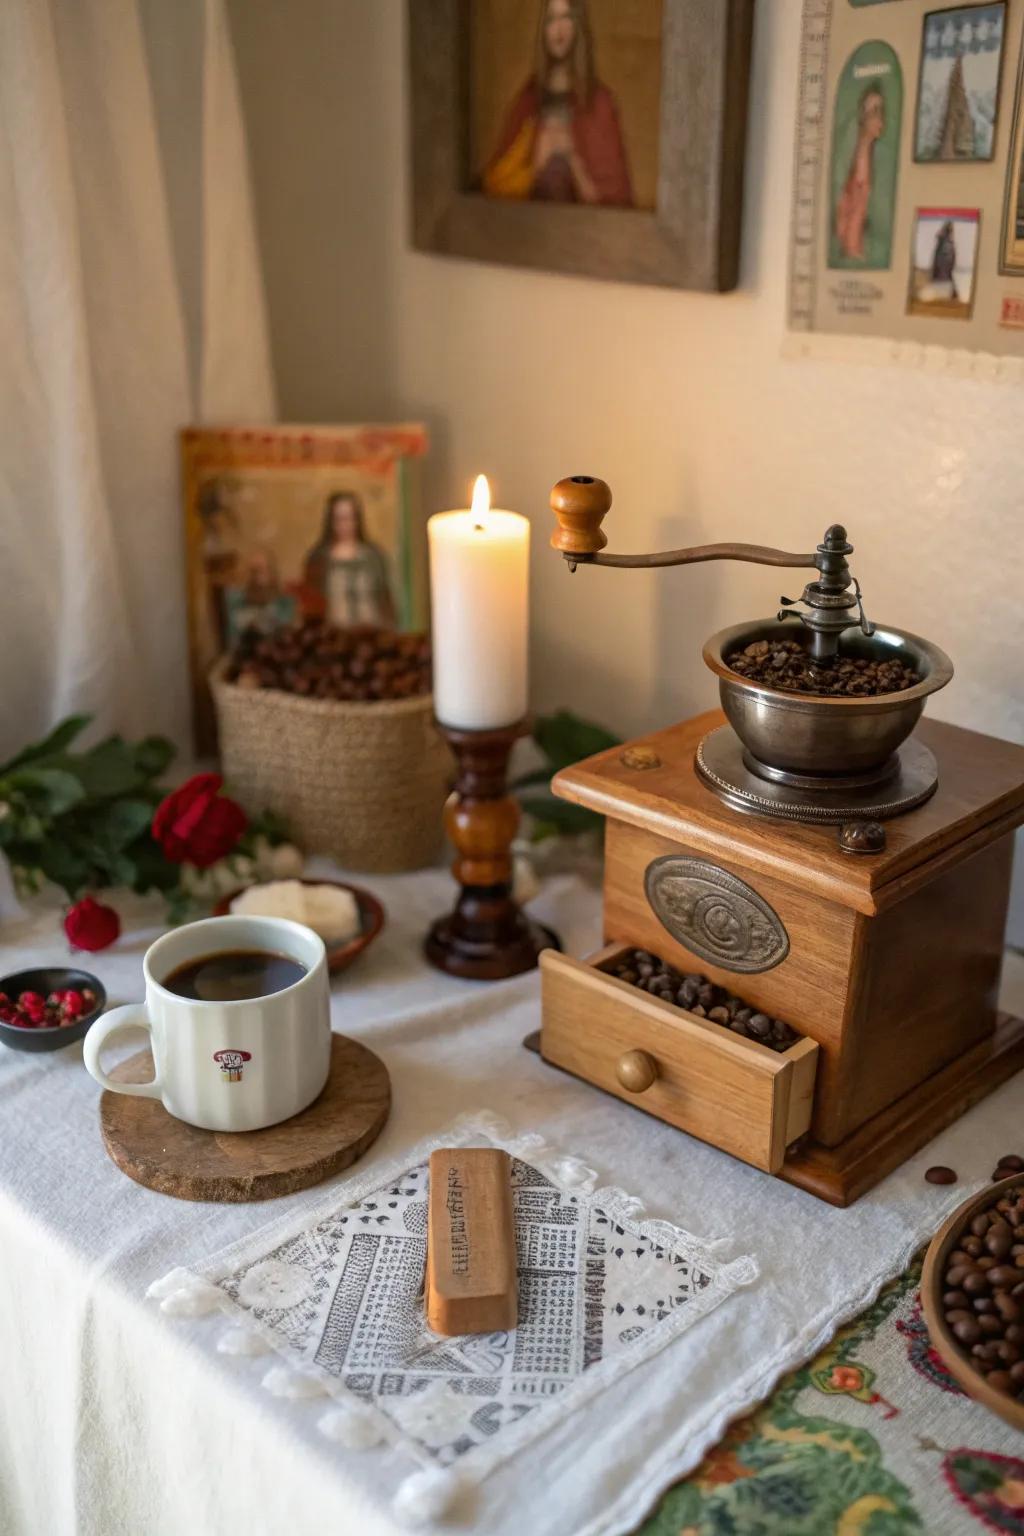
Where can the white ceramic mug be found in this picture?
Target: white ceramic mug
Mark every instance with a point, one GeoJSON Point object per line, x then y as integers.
{"type": "Point", "coordinates": [229, 1066]}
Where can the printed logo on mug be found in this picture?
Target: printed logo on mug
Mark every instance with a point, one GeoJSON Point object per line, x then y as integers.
{"type": "Point", "coordinates": [238, 1014]}
{"type": "Point", "coordinates": [232, 1063]}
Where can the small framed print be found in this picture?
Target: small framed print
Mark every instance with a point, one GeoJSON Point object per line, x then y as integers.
{"type": "Point", "coordinates": [943, 262]}
{"type": "Point", "coordinates": [1012, 254]}
{"type": "Point", "coordinates": [289, 522]}
{"type": "Point", "coordinates": [958, 87]}
{"type": "Point", "coordinates": [1011, 314]}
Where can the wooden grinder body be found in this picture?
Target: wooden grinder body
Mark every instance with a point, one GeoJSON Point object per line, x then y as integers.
{"type": "Point", "coordinates": [890, 963]}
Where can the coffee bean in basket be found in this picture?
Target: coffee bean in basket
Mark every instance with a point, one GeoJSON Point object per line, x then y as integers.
{"type": "Point", "coordinates": [983, 1292]}
{"type": "Point", "coordinates": [322, 661]}
{"type": "Point", "coordinates": [702, 997]}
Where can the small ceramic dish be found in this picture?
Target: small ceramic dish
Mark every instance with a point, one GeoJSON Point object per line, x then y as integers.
{"type": "Point", "coordinates": [46, 979]}
{"type": "Point", "coordinates": [339, 956]}
{"type": "Point", "coordinates": [958, 1362]}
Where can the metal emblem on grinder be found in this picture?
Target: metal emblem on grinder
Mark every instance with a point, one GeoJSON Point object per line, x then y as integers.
{"type": "Point", "coordinates": [715, 915]}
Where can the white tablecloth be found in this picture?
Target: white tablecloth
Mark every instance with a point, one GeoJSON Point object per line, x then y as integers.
{"type": "Point", "coordinates": [114, 1419]}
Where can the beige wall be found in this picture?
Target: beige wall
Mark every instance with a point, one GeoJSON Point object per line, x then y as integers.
{"type": "Point", "coordinates": [681, 401]}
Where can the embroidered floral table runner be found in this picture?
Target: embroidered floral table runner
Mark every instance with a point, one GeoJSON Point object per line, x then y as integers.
{"type": "Point", "coordinates": [873, 1437]}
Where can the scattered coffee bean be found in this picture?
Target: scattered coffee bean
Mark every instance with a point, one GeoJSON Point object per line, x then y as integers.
{"type": "Point", "coordinates": [703, 998]}
{"type": "Point", "coordinates": [983, 1290]}
{"type": "Point", "coordinates": [939, 1174]}
{"type": "Point", "coordinates": [786, 664]}
{"type": "Point", "coordinates": [321, 661]}
{"type": "Point", "coordinates": [1012, 1162]}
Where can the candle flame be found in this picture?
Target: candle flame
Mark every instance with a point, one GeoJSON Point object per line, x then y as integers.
{"type": "Point", "coordinates": [481, 503]}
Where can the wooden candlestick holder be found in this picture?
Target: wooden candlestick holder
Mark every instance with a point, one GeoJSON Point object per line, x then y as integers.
{"type": "Point", "coordinates": [486, 936]}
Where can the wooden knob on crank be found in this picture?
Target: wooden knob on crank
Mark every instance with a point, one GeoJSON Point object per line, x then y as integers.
{"type": "Point", "coordinates": [636, 1071]}
{"type": "Point", "coordinates": [580, 504]}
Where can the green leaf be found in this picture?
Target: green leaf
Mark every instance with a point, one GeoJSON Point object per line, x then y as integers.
{"type": "Point", "coordinates": [564, 738]}
{"type": "Point", "coordinates": [57, 741]}
{"type": "Point", "coordinates": [567, 818]}
{"type": "Point", "coordinates": [153, 754]}
{"type": "Point", "coordinates": [152, 870]}
{"type": "Point", "coordinates": [120, 869]}
{"type": "Point", "coordinates": [31, 829]}
{"type": "Point", "coordinates": [108, 770]}
{"type": "Point", "coordinates": [119, 823]}
{"type": "Point", "coordinates": [180, 906]}
{"type": "Point", "coordinates": [51, 791]}
{"type": "Point", "coordinates": [66, 865]}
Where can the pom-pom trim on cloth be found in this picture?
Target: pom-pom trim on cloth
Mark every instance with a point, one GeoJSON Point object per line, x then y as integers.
{"type": "Point", "coordinates": [427, 1496]}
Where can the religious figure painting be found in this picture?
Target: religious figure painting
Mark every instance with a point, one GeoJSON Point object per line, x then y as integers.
{"type": "Point", "coordinates": [943, 262]}
{"type": "Point", "coordinates": [285, 523]}
{"type": "Point", "coordinates": [565, 98]}
{"type": "Point", "coordinates": [958, 91]}
{"type": "Point", "coordinates": [605, 138]}
{"type": "Point", "coordinates": [865, 159]}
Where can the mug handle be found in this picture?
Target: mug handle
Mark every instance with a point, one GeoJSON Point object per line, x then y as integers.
{"type": "Point", "coordinates": [131, 1016]}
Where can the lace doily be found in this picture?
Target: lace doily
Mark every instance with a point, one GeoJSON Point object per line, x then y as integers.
{"type": "Point", "coordinates": [337, 1294]}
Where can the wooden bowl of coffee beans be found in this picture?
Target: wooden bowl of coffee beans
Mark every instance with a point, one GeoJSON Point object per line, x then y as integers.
{"type": "Point", "coordinates": [972, 1294]}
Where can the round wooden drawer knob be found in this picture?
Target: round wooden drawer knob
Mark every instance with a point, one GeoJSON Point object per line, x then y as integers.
{"type": "Point", "coordinates": [636, 1071]}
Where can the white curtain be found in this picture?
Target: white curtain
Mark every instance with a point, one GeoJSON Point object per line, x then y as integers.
{"type": "Point", "coordinates": [131, 303]}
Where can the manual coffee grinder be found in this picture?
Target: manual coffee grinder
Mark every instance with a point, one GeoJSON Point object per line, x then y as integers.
{"type": "Point", "coordinates": [824, 854]}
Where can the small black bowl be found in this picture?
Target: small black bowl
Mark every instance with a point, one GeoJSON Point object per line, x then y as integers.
{"type": "Point", "coordinates": [47, 979]}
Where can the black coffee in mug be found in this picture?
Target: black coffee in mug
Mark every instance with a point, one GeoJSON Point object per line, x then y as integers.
{"type": "Point", "coordinates": [234, 975]}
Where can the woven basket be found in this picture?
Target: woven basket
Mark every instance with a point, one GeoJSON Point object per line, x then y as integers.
{"type": "Point", "coordinates": [365, 783]}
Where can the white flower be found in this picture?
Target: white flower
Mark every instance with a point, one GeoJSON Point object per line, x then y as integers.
{"type": "Point", "coordinates": [273, 1283]}
{"type": "Point", "coordinates": [244, 868]}
{"type": "Point", "coordinates": [223, 877]}
{"type": "Point", "coordinates": [286, 861]}
{"type": "Point", "coordinates": [196, 882]}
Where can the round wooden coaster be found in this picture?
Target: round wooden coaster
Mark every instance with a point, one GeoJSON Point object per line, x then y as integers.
{"type": "Point", "coordinates": [165, 1154]}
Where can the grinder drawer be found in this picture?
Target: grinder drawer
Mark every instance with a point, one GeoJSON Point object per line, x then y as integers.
{"type": "Point", "coordinates": [735, 1093]}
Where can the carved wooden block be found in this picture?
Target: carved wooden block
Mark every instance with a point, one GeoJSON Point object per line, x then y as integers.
{"type": "Point", "coordinates": [471, 1282]}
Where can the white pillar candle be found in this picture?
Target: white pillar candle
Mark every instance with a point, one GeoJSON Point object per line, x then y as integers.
{"type": "Point", "coordinates": [479, 596]}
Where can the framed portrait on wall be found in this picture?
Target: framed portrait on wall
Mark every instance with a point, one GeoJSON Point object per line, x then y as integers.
{"type": "Point", "coordinates": [284, 523]}
{"type": "Point", "coordinates": [601, 137]}
{"type": "Point", "coordinates": [1012, 255]}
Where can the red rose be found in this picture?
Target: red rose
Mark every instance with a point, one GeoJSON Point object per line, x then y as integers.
{"type": "Point", "coordinates": [90, 925]}
{"type": "Point", "coordinates": [196, 824]}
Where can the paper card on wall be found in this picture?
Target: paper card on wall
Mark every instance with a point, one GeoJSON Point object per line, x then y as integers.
{"type": "Point", "coordinates": [908, 201]}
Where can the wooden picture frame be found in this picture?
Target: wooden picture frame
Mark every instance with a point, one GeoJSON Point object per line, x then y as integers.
{"type": "Point", "coordinates": [257, 504]}
{"type": "Point", "coordinates": [1011, 255]}
{"type": "Point", "coordinates": [691, 239]}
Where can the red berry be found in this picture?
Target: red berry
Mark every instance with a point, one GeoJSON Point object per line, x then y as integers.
{"type": "Point", "coordinates": [32, 1000]}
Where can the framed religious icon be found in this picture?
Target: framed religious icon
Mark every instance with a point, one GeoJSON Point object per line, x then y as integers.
{"type": "Point", "coordinates": [601, 137]}
{"type": "Point", "coordinates": [1012, 256]}
{"type": "Point", "coordinates": [958, 89]}
{"type": "Point", "coordinates": [284, 523]}
{"type": "Point", "coordinates": [943, 262]}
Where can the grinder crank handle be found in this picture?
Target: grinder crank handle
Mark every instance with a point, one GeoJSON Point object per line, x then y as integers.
{"type": "Point", "coordinates": [580, 504]}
